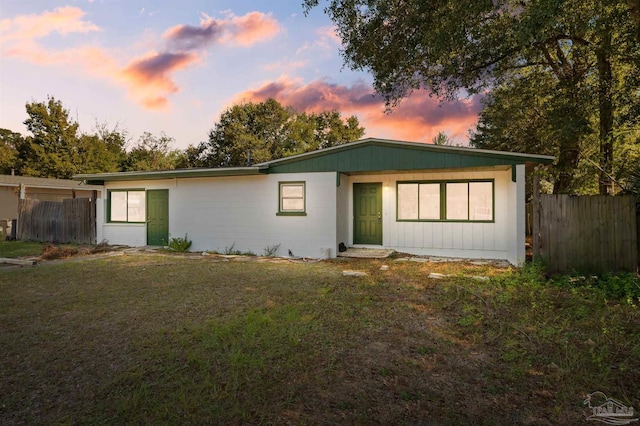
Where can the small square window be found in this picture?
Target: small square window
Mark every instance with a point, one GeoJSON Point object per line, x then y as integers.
{"type": "Point", "coordinates": [292, 198]}
{"type": "Point", "coordinates": [127, 206]}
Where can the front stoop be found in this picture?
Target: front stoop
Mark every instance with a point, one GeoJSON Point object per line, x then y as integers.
{"type": "Point", "coordinates": [366, 253]}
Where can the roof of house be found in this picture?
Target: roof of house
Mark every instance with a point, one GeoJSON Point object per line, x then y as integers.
{"type": "Point", "coordinates": [366, 155]}
{"type": "Point", "coordinates": [37, 182]}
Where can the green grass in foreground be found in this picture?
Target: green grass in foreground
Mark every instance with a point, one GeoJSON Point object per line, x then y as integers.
{"type": "Point", "coordinates": [192, 340]}
{"type": "Point", "coordinates": [14, 249]}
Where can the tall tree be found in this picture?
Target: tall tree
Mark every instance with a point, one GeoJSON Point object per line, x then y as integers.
{"type": "Point", "coordinates": [258, 132]}
{"type": "Point", "coordinates": [8, 153]}
{"type": "Point", "coordinates": [330, 130]}
{"type": "Point", "coordinates": [527, 115]}
{"type": "Point", "coordinates": [51, 151]}
{"type": "Point", "coordinates": [151, 153]}
{"type": "Point", "coordinates": [441, 139]}
{"type": "Point", "coordinates": [103, 150]}
{"type": "Point", "coordinates": [444, 46]}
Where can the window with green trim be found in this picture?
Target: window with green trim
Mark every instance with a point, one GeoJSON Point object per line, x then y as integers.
{"type": "Point", "coordinates": [292, 198]}
{"type": "Point", "coordinates": [127, 206]}
{"type": "Point", "coordinates": [446, 201]}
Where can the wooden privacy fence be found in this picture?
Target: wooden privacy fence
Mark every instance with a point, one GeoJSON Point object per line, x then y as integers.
{"type": "Point", "coordinates": [67, 221]}
{"type": "Point", "coordinates": [587, 234]}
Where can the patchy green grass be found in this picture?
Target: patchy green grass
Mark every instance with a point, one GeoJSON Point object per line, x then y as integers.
{"type": "Point", "coordinates": [13, 249]}
{"type": "Point", "coordinates": [197, 340]}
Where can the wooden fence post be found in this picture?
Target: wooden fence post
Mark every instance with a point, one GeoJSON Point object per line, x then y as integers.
{"type": "Point", "coordinates": [93, 215]}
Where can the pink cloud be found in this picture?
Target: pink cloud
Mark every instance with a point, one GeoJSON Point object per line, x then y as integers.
{"type": "Point", "coordinates": [149, 77]}
{"type": "Point", "coordinates": [243, 30]}
{"type": "Point", "coordinates": [63, 20]}
{"type": "Point", "coordinates": [19, 37]}
{"type": "Point", "coordinates": [418, 117]}
{"type": "Point", "coordinates": [326, 42]}
{"type": "Point", "coordinates": [330, 34]}
{"type": "Point", "coordinates": [252, 27]}
{"type": "Point", "coordinates": [189, 37]}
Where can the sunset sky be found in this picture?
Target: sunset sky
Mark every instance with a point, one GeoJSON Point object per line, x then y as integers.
{"type": "Point", "coordinates": [175, 66]}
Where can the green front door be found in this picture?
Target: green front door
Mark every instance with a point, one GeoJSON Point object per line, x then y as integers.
{"type": "Point", "coordinates": [157, 217]}
{"type": "Point", "coordinates": [367, 213]}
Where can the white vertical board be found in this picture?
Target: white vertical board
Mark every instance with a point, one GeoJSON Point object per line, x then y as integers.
{"type": "Point", "coordinates": [342, 211]}
{"type": "Point", "coordinates": [497, 240]}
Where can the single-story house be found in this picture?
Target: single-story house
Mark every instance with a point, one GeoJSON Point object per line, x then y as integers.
{"type": "Point", "coordinates": [413, 197]}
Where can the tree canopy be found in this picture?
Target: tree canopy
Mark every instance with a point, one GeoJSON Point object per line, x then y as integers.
{"type": "Point", "coordinates": [56, 148]}
{"type": "Point", "coordinates": [8, 153]}
{"type": "Point", "coordinates": [584, 50]}
{"type": "Point", "coordinates": [527, 115]}
{"type": "Point", "coordinates": [151, 153]}
{"type": "Point", "coordinates": [257, 132]}
{"type": "Point", "coordinates": [52, 148]}
{"type": "Point", "coordinates": [267, 130]}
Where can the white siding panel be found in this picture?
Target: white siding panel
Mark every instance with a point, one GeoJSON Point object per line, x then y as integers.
{"type": "Point", "coordinates": [409, 232]}
{"type": "Point", "coordinates": [427, 233]}
{"type": "Point", "coordinates": [488, 236]}
{"type": "Point", "coordinates": [418, 234]}
{"type": "Point", "coordinates": [477, 233]}
{"type": "Point", "coordinates": [515, 231]}
{"type": "Point", "coordinates": [457, 235]}
{"type": "Point", "coordinates": [342, 211]}
{"type": "Point", "coordinates": [447, 235]}
{"type": "Point", "coordinates": [438, 241]}
{"type": "Point", "coordinates": [99, 218]}
{"type": "Point", "coordinates": [497, 240]}
{"type": "Point", "coordinates": [467, 237]}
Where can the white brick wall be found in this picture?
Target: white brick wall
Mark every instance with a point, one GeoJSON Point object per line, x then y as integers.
{"type": "Point", "coordinates": [218, 212]}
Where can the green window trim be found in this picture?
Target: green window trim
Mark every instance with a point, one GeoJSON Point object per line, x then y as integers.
{"type": "Point", "coordinates": [127, 208]}
{"type": "Point", "coordinates": [291, 214]}
{"type": "Point", "coordinates": [443, 200]}
{"type": "Point", "coordinates": [290, 195]}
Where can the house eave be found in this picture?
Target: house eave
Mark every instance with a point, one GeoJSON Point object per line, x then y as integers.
{"type": "Point", "coordinates": [170, 174]}
{"type": "Point", "coordinates": [451, 157]}
{"type": "Point", "coordinates": [45, 183]}
{"type": "Point", "coordinates": [514, 157]}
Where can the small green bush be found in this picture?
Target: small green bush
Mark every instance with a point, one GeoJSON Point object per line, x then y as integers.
{"type": "Point", "coordinates": [232, 250]}
{"type": "Point", "coordinates": [180, 245]}
{"type": "Point", "coordinates": [270, 251]}
{"type": "Point", "coordinates": [624, 287]}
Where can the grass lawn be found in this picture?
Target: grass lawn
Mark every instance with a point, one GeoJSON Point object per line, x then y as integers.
{"type": "Point", "coordinates": [193, 340]}
{"type": "Point", "coordinates": [14, 249]}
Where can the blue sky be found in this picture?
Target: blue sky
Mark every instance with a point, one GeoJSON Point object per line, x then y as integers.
{"type": "Point", "coordinates": [174, 67]}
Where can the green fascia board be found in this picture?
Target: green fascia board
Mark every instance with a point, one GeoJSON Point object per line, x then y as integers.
{"type": "Point", "coordinates": [171, 174]}
{"type": "Point", "coordinates": [386, 155]}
